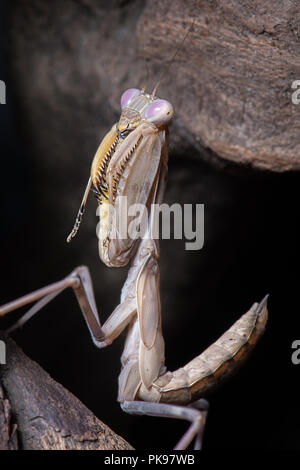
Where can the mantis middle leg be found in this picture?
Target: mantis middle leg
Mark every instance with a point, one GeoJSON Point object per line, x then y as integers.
{"type": "Point", "coordinates": [80, 281]}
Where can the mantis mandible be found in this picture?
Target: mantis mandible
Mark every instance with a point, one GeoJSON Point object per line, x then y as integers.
{"type": "Point", "coordinates": [132, 162]}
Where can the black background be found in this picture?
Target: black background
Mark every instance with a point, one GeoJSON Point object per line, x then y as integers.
{"type": "Point", "coordinates": [251, 248]}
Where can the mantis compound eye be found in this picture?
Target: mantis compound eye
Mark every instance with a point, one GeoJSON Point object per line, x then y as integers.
{"type": "Point", "coordinates": [159, 112]}
{"type": "Point", "coordinates": [128, 95]}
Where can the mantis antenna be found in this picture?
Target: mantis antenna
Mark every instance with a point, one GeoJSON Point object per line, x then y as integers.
{"type": "Point", "coordinates": [147, 76]}
{"type": "Point", "coordinates": [167, 68]}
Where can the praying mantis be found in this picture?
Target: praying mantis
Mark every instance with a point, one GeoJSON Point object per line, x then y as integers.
{"type": "Point", "coordinates": [132, 162]}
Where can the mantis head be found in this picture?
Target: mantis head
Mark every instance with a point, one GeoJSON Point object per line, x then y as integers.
{"type": "Point", "coordinates": [139, 106]}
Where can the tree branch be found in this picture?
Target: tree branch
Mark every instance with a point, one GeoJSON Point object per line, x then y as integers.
{"type": "Point", "coordinates": [42, 414]}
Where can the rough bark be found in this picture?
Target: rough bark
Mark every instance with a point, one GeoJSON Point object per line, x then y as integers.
{"type": "Point", "coordinates": [234, 75]}
{"type": "Point", "coordinates": [8, 435]}
{"type": "Point", "coordinates": [230, 84]}
{"type": "Point", "coordinates": [46, 416]}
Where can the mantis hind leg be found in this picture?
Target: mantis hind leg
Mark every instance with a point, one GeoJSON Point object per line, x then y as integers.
{"type": "Point", "coordinates": [203, 406]}
{"type": "Point", "coordinates": [195, 414]}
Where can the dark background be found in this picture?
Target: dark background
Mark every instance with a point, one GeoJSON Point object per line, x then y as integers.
{"type": "Point", "coordinates": [251, 248]}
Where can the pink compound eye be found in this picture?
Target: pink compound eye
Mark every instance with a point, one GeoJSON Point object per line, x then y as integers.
{"type": "Point", "coordinates": [128, 95]}
{"type": "Point", "coordinates": [159, 112]}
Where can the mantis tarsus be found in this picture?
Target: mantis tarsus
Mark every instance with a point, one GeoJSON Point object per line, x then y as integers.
{"type": "Point", "coordinates": [132, 161]}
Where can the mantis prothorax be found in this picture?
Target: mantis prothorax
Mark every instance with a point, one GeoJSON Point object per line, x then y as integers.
{"type": "Point", "coordinates": [132, 161]}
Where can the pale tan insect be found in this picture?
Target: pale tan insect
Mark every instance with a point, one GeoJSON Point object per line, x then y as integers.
{"type": "Point", "coordinates": [132, 161]}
